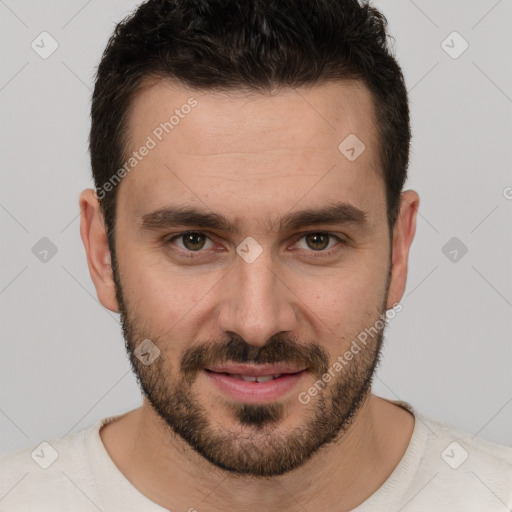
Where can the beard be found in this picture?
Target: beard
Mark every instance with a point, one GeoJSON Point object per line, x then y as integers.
{"type": "Point", "coordinates": [258, 447]}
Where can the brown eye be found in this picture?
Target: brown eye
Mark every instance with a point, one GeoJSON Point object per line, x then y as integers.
{"type": "Point", "coordinates": [325, 244]}
{"type": "Point", "coordinates": [191, 241]}
{"type": "Point", "coordinates": [317, 241]}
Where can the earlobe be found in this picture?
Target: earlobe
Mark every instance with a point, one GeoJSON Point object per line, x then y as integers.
{"type": "Point", "coordinates": [94, 238]}
{"type": "Point", "coordinates": [403, 235]}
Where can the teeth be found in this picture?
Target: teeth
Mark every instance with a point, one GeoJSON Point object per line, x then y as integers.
{"type": "Point", "coordinates": [262, 378]}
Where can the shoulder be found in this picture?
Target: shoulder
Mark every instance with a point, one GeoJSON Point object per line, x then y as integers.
{"type": "Point", "coordinates": [51, 475]}
{"type": "Point", "coordinates": [461, 445]}
{"type": "Point", "coordinates": [459, 467]}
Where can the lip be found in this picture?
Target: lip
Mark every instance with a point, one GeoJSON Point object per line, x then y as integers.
{"type": "Point", "coordinates": [255, 392]}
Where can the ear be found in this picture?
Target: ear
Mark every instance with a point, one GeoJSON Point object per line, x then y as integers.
{"type": "Point", "coordinates": [403, 235]}
{"type": "Point", "coordinates": [94, 238]}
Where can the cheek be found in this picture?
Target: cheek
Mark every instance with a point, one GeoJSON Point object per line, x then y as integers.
{"type": "Point", "coordinates": [351, 298]}
{"type": "Point", "coordinates": [150, 291]}
{"type": "Point", "coordinates": [357, 285]}
{"type": "Point", "coordinates": [162, 298]}
{"type": "Point", "coordinates": [167, 301]}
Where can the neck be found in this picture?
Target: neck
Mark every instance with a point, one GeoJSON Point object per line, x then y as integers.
{"type": "Point", "coordinates": [340, 476]}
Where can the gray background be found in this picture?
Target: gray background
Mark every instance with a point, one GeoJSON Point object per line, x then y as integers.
{"type": "Point", "coordinates": [63, 364]}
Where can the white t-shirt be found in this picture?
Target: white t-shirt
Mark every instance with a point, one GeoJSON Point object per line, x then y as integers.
{"type": "Point", "coordinates": [443, 469]}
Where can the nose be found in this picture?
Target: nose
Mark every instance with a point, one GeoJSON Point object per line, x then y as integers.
{"type": "Point", "coordinates": [257, 302]}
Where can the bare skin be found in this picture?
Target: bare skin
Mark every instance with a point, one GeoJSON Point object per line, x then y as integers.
{"type": "Point", "coordinates": [255, 158]}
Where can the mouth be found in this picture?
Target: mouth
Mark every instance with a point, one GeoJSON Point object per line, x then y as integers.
{"type": "Point", "coordinates": [255, 383]}
{"type": "Point", "coordinates": [251, 378]}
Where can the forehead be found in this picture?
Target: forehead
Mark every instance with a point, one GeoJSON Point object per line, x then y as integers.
{"type": "Point", "coordinates": [227, 148]}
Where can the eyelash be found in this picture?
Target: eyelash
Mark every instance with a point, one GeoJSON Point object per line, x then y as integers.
{"type": "Point", "coordinates": [321, 253]}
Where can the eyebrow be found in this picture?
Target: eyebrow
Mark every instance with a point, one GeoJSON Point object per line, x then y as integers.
{"type": "Point", "coordinates": [333, 214]}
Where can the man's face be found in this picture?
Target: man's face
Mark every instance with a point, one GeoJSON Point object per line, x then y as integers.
{"type": "Point", "coordinates": [265, 298]}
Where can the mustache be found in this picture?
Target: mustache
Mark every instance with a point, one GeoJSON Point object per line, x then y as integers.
{"type": "Point", "coordinates": [279, 349]}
